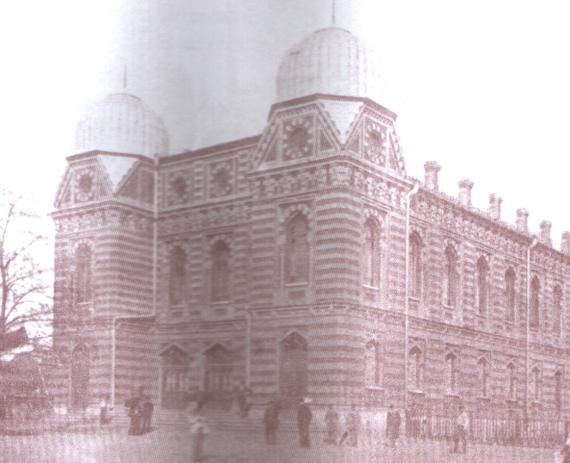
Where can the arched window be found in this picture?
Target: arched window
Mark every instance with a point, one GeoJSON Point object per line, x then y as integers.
{"type": "Point", "coordinates": [534, 302]}
{"type": "Point", "coordinates": [297, 256]}
{"type": "Point", "coordinates": [451, 277]}
{"type": "Point", "coordinates": [177, 276]}
{"type": "Point", "coordinates": [373, 365]}
{"type": "Point", "coordinates": [220, 289]}
{"type": "Point", "coordinates": [483, 374]}
{"type": "Point", "coordinates": [416, 266]}
{"type": "Point", "coordinates": [512, 382]}
{"type": "Point", "coordinates": [415, 369]}
{"type": "Point", "coordinates": [482, 285]}
{"type": "Point", "coordinates": [451, 373]}
{"type": "Point", "coordinates": [535, 384]}
{"type": "Point", "coordinates": [83, 276]}
{"type": "Point", "coordinates": [556, 309]}
{"type": "Point", "coordinates": [510, 294]}
{"type": "Point", "coordinates": [371, 253]}
{"type": "Point", "coordinates": [558, 391]}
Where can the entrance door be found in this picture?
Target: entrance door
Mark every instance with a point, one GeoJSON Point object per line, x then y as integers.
{"type": "Point", "coordinates": [218, 370]}
{"type": "Point", "coordinates": [175, 381]}
{"type": "Point", "coordinates": [293, 370]}
{"type": "Point", "coordinates": [80, 378]}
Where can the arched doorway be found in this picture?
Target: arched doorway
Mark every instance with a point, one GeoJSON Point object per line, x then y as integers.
{"type": "Point", "coordinates": [80, 378]}
{"type": "Point", "coordinates": [175, 381]}
{"type": "Point", "coordinates": [218, 369]}
{"type": "Point", "coordinates": [293, 370]}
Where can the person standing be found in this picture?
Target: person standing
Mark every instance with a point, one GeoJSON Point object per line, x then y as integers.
{"type": "Point", "coordinates": [104, 411]}
{"type": "Point", "coordinates": [352, 428]}
{"type": "Point", "coordinates": [198, 429]}
{"type": "Point", "coordinates": [147, 408]}
{"type": "Point", "coordinates": [461, 424]}
{"type": "Point", "coordinates": [331, 422]}
{"type": "Point", "coordinates": [271, 422]}
{"type": "Point", "coordinates": [304, 417]}
{"type": "Point", "coordinates": [134, 406]}
{"type": "Point", "coordinates": [393, 421]}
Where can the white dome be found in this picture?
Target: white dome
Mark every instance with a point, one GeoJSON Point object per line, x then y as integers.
{"type": "Point", "coordinates": [122, 123]}
{"type": "Point", "coordinates": [329, 61]}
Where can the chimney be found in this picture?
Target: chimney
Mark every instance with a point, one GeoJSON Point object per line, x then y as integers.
{"type": "Point", "coordinates": [544, 237]}
{"type": "Point", "coordinates": [565, 244]}
{"type": "Point", "coordinates": [495, 206]}
{"type": "Point", "coordinates": [522, 220]}
{"type": "Point", "coordinates": [465, 186]}
{"type": "Point", "coordinates": [431, 169]}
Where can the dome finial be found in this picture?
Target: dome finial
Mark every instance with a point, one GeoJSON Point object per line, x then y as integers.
{"type": "Point", "coordinates": [333, 12]}
{"type": "Point", "coordinates": [125, 78]}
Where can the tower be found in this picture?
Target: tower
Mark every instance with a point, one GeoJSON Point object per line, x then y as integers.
{"type": "Point", "coordinates": [104, 252]}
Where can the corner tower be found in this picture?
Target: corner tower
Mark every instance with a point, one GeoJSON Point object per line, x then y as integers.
{"type": "Point", "coordinates": [104, 252]}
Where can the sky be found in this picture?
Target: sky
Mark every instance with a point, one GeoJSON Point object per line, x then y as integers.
{"type": "Point", "coordinates": [482, 87]}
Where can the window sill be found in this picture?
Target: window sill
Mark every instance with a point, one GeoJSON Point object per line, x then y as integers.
{"type": "Point", "coordinates": [297, 285]}
{"type": "Point", "coordinates": [452, 395]}
{"type": "Point", "coordinates": [416, 392]}
{"type": "Point", "coordinates": [374, 388]}
{"type": "Point", "coordinates": [372, 288]}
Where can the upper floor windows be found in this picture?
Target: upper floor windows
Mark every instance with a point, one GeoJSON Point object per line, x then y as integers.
{"type": "Point", "coordinates": [556, 309]}
{"type": "Point", "coordinates": [534, 302]}
{"type": "Point", "coordinates": [482, 285]}
{"type": "Point", "coordinates": [177, 276]}
{"type": "Point", "coordinates": [373, 364]}
{"type": "Point", "coordinates": [451, 277]}
{"type": "Point", "coordinates": [83, 275]}
{"type": "Point", "coordinates": [510, 294]}
{"type": "Point", "coordinates": [220, 276]}
{"type": "Point", "coordinates": [415, 366]}
{"type": "Point", "coordinates": [451, 373]}
{"type": "Point", "coordinates": [371, 253]}
{"type": "Point", "coordinates": [416, 266]}
{"type": "Point", "coordinates": [297, 257]}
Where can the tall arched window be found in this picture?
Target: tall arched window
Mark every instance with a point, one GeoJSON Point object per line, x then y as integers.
{"type": "Point", "coordinates": [373, 364]}
{"type": "Point", "coordinates": [177, 276]}
{"type": "Point", "coordinates": [371, 253]}
{"type": "Point", "coordinates": [558, 391]}
{"type": "Point", "coordinates": [510, 294]}
{"type": "Point", "coordinates": [483, 374]}
{"type": "Point", "coordinates": [451, 277]}
{"type": "Point", "coordinates": [416, 266]}
{"type": "Point", "coordinates": [556, 309]}
{"type": "Point", "coordinates": [535, 384]}
{"type": "Point", "coordinates": [512, 382]}
{"type": "Point", "coordinates": [451, 373]}
{"type": "Point", "coordinates": [297, 256]}
{"type": "Point", "coordinates": [534, 302]}
{"type": "Point", "coordinates": [83, 277]}
{"type": "Point", "coordinates": [415, 369]}
{"type": "Point", "coordinates": [220, 288]}
{"type": "Point", "coordinates": [482, 285]}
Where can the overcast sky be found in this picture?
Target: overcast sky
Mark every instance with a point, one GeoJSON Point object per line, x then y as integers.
{"type": "Point", "coordinates": [481, 87]}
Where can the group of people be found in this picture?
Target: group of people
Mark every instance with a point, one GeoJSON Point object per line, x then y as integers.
{"type": "Point", "coordinates": [333, 435]}
{"type": "Point", "coordinates": [140, 409]}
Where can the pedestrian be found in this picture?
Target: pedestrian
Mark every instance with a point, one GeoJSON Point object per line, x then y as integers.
{"type": "Point", "coordinates": [352, 428]}
{"type": "Point", "coordinates": [304, 417]}
{"type": "Point", "coordinates": [331, 422]}
{"type": "Point", "coordinates": [271, 422]}
{"type": "Point", "coordinates": [461, 424]}
{"type": "Point", "coordinates": [147, 408]}
{"type": "Point", "coordinates": [104, 411]}
{"type": "Point", "coordinates": [135, 412]}
{"type": "Point", "coordinates": [198, 430]}
{"type": "Point", "coordinates": [244, 399]}
{"type": "Point", "coordinates": [393, 425]}
{"type": "Point", "coordinates": [565, 451]}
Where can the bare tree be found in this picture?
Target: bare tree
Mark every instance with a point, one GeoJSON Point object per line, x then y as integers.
{"type": "Point", "coordinates": [24, 281]}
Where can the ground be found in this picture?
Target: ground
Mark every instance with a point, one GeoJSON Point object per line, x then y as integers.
{"type": "Point", "coordinates": [171, 446]}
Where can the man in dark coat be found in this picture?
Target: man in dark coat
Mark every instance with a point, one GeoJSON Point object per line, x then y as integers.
{"type": "Point", "coordinates": [134, 406]}
{"type": "Point", "coordinates": [331, 422]}
{"type": "Point", "coordinates": [304, 417]}
{"type": "Point", "coordinates": [244, 398]}
{"type": "Point", "coordinates": [271, 422]}
{"type": "Point", "coordinates": [147, 408]}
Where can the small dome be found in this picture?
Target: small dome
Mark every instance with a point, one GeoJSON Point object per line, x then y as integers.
{"type": "Point", "coordinates": [329, 61]}
{"type": "Point", "coordinates": [122, 123]}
